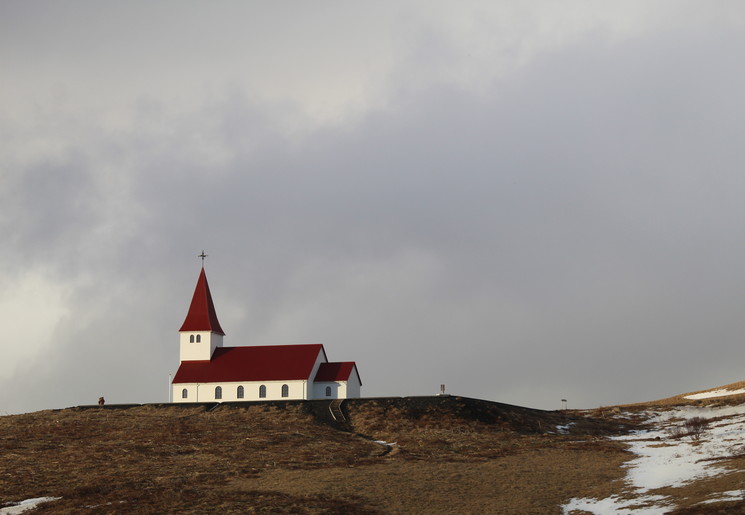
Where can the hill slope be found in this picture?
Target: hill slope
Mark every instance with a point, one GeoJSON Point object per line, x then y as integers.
{"type": "Point", "coordinates": [729, 393]}
{"type": "Point", "coordinates": [392, 455]}
{"type": "Point", "coordinates": [291, 457]}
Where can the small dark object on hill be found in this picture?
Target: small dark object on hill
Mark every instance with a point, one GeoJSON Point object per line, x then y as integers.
{"type": "Point", "coordinates": [101, 401]}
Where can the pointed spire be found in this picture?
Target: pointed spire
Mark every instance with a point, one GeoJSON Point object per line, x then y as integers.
{"type": "Point", "coordinates": [202, 315]}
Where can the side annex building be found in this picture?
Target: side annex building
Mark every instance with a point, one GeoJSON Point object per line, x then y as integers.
{"type": "Point", "coordinates": [209, 372]}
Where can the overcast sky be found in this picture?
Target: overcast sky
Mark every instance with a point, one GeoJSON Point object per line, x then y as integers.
{"type": "Point", "coordinates": [525, 201]}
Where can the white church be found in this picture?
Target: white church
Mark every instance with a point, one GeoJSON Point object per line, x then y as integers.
{"type": "Point", "coordinates": [210, 372]}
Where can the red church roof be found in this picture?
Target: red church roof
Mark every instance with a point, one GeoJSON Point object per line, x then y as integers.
{"type": "Point", "coordinates": [338, 371]}
{"type": "Point", "coordinates": [202, 315]}
{"type": "Point", "coordinates": [258, 363]}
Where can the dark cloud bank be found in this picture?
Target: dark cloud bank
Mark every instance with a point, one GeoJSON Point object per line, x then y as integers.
{"type": "Point", "coordinates": [573, 232]}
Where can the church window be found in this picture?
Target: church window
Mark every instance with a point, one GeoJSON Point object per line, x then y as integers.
{"type": "Point", "coordinates": [191, 338]}
{"type": "Point", "coordinates": [285, 390]}
{"type": "Point", "coordinates": [240, 392]}
{"type": "Point", "coordinates": [262, 392]}
{"type": "Point", "coordinates": [218, 392]}
{"type": "Point", "coordinates": [199, 338]}
{"type": "Point", "coordinates": [328, 391]}
{"type": "Point", "coordinates": [184, 393]}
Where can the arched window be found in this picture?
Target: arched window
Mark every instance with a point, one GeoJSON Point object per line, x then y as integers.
{"type": "Point", "coordinates": [199, 338]}
{"type": "Point", "coordinates": [184, 393]}
{"type": "Point", "coordinates": [262, 392]}
{"type": "Point", "coordinates": [240, 392]}
{"type": "Point", "coordinates": [191, 338]}
{"type": "Point", "coordinates": [328, 391]}
{"type": "Point", "coordinates": [218, 392]}
{"type": "Point", "coordinates": [285, 390]}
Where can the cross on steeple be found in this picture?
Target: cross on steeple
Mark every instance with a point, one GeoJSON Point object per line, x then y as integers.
{"type": "Point", "coordinates": [202, 255]}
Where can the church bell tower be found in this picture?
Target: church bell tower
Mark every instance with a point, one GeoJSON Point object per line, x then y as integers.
{"type": "Point", "coordinates": [200, 334]}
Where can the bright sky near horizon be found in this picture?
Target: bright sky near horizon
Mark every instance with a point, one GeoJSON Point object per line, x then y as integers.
{"type": "Point", "coordinates": [523, 201]}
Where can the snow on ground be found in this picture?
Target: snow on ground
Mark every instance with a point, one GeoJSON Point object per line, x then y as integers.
{"type": "Point", "coordinates": [664, 458]}
{"type": "Point", "coordinates": [28, 504]}
{"type": "Point", "coordinates": [384, 443]}
{"type": "Point", "coordinates": [613, 504]}
{"type": "Point", "coordinates": [731, 495]}
{"type": "Point", "coordinates": [564, 430]}
{"type": "Point", "coordinates": [714, 393]}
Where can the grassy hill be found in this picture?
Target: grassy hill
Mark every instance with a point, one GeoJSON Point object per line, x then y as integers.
{"type": "Point", "coordinates": [391, 455]}
{"type": "Point", "coordinates": [732, 393]}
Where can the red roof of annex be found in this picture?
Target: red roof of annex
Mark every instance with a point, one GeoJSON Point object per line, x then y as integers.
{"type": "Point", "coordinates": [336, 371]}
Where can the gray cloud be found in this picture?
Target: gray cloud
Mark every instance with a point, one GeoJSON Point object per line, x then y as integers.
{"type": "Point", "coordinates": [570, 229]}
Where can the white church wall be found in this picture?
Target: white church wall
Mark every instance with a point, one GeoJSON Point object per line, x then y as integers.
{"type": "Point", "coordinates": [193, 351]}
{"type": "Point", "coordinates": [297, 390]}
{"type": "Point", "coordinates": [321, 358]}
{"type": "Point", "coordinates": [205, 392]}
{"type": "Point", "coordinates": [338, 390]}
{"type": "Point", "coordinates": [353, 386]}
{"type": "Point", "coordinates": [178, 393]}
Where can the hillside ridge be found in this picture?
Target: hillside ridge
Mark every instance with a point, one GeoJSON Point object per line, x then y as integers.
{"type": "Point", "coordinates": [731, 393]}
{"type": "Point", "coordinates": [389, 455]}
{"type": "Point", "coordinates": [519, 419]}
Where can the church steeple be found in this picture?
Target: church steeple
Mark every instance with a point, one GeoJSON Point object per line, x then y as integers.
{"type": "Point", "coordinates": [202, 315]}
{"type": "Point", "coordinates": [200, 334]}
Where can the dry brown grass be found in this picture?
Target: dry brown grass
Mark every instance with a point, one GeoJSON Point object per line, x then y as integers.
{"type": "Point", "coordinates": [452, 455]}
{"type": "Point", "coordinates": [285, 458]}
{"type": "Point", "coordinates": [172, 457]}
{"type": "Point", "coordinates": [534, 481]}
{"type": "Point", "coordinates": [680, 400]}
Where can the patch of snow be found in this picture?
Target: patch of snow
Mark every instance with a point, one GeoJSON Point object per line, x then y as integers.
{"type": "Point", "coordinates": [695, 411]}
{"type": "Point", "coordinates": [644, 505]}
{"type": "Point", "coordinates": [732, 495]}
{"type": "Point", "coordinates": [563, 430]}
{"type": "Point", "coordinates": [385, 444]}
{"type": "Point", "coordinates": [92, 506]}
{"type": "Point", "coordinates": [665, 461]}
{"type": "Point", "coordinates": [714, 393]}
{"type": "Point", "coordinates": [26, 505]}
